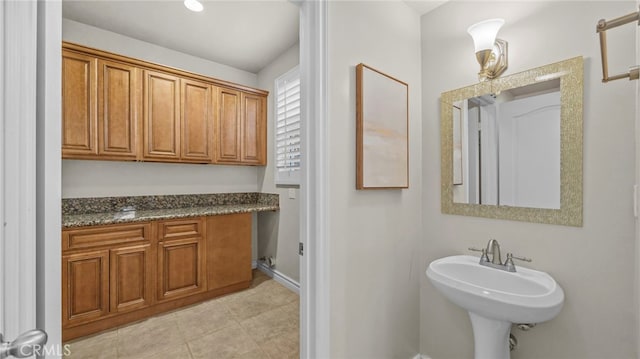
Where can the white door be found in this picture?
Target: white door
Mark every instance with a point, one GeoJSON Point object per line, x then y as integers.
{"type": "Point", "coordinates": [27, 238]}
{"type": "Point", "coordinates": [529, 149]}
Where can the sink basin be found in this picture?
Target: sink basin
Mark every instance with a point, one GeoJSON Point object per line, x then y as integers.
{"type": "Point", "coordinates": [525, 296]}
{"type": "Point", "coordinates": [495, 299]}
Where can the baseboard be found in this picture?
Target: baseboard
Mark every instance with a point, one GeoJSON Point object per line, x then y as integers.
{"type": "Point", "coordinates": [421, 356]}
{"type": "Point", "coordinates": [279, 277]}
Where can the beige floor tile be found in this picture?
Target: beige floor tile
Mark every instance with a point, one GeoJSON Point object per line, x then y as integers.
{"type": "Point", "coordinates": [284, 346]}
{"type": "Point", "coordinates": [254, 354]}
{"type": "Point", "coordinates": [178, 352]}
{"type": "Point", "coordinates": [280, 295]}
{"type": "Point", "coordinates": [268, 325]}
{"type": "Point", "coordinates": [261, 288]}
{"type": "Point", "coordinates": [292, 309]}
{"type": "Point", "coordinates": [152, 336]}
{"type": "Point", "coordinates": [247, 307]}
{"type": "Point", "coordinates": [101, 346]}
{"type": "Point", "coordinates": [260, 322]}
{"type": "Point", "coordinates": [204, 318]}
{"type": "Point", "coordinates": [226, 343]}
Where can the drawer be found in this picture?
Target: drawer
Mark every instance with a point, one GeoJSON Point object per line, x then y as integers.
{"type": "Point", "coordinates": [181, 228]}
{"type": "Point", "coordinates": [89, 237]}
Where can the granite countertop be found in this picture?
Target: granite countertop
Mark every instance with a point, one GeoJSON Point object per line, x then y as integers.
{"type": "Point", "coordinates": [79, 212]}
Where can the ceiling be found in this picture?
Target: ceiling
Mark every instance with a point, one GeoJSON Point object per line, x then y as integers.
{"type": "Point", "coordinates": [424, 6]}
{"type": "Point", "coordinates": [247, 35]}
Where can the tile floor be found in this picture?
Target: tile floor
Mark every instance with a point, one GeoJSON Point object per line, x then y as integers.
{"type": "Point", "coordinates": [260, 322]}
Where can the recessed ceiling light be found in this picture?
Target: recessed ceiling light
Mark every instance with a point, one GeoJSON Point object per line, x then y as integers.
{"type": "Point", "coordinates": [193, 5]}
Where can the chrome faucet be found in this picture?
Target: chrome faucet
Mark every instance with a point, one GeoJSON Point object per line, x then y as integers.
{"type": "Point", "coordinates": [493, 248]}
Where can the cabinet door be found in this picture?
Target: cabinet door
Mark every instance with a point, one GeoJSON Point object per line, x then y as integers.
{"type": "Point", "coordinates": [180, 267]}
{"type": "Point", "coordinates": [161, 116]}
{"type": "Point", "coordinates": [117, 109]}
{"type": "Point", "coordinates": [132, 280]}
{"type": "Point", "coordinates": [197, 137]}
{"type": "Point", "coordinates": [85, 287]}
{"type": "Point", "coordinates": [253, 136]}
{"type": "Point", "coordinates": [228, 250]}
{"type": "Point", "coordinates": [228, 126]}
{"type": "Point", "coordinates": [79, 117]}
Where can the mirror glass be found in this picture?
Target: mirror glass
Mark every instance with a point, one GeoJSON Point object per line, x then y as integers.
{"type": "Point", "coordinates": [507, 147]}
{"type": "Point", "coordinates": [512, 147]}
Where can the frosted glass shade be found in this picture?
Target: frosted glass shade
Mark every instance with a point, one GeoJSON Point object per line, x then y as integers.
{"type": "Point", "coordinates": [484, 33]}
{"type": "Point", "coordinates": [193, 5]}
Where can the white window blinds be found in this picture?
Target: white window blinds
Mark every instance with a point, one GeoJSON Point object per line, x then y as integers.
{"type": "Point", "coordinates": [287, 131]}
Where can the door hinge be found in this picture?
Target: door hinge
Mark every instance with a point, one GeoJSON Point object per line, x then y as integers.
{"type": "Point", "coordinates": [301, 248]}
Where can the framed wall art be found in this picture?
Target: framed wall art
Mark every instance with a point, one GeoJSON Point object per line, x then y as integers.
{"type": "Point", "coordinates": [382, 130]}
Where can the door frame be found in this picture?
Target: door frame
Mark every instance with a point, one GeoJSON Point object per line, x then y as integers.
{"type": "Point", "coordinates": [314, 264]}
{"type": "Point", "coordinates": [17, 167]}
{"type": "Point", "coordinates": [30, 168]}
{"type": "Point", "coordinates": [49, 173]}
{"type": "Point", "coordinates": [44, 163]}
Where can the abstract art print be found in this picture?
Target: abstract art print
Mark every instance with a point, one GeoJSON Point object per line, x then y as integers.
{"type": "Point", "coordinates": [382, 130]}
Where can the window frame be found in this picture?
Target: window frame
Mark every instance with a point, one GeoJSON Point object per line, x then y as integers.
{"type": "Point", "coordinates": [290, 177]}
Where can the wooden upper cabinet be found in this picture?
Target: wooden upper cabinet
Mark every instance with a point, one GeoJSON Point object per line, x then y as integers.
{"type": "Point", "coordinates": [118, 109]}
{"type": "Point", "coordinates": [227, 125]}
{"type": "Point", "coordinates": [240, 125]}
{"type": "Point", "coordinates": [254, 144]}
{"type": "Point", "coordinates": [196, 121]}
{"type": "Point", "coordinates": [161, 128]}
{"type": "Point", "coordinates": [79, 115]}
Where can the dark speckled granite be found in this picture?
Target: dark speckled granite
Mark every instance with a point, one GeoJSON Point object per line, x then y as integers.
{"type": "Point", "coordinates": [78, 212]}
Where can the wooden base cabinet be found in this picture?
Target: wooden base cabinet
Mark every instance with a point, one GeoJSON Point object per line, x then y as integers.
{"type": "Point", "coordinates": [85, 287]}
{"type": "Point", "coordinates": [117, 274]}
{"type": "Point", "coordinates": [181, 261]}
{"type": "Point", "coordinates": [228, 250]}
{"type": "Point", "coordinates": [131, 271]}
{"type": "Point", "coordinates": [105, 270]}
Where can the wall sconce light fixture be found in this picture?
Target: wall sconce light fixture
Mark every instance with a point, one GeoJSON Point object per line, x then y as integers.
{"type": "Point", "coordinates": [491, 52]}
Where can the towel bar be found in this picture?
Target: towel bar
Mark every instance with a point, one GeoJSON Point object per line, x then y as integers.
{"type": "Point", "coordinates": [601, 28]}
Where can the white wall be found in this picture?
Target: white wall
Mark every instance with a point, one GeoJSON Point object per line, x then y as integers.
{"type": "Point", "coordinates": [374, 234]}
{"type": "Point", "coordinates": [117, 178]}
{"type": "Point", "coordinates": [87, 35]}
{"type": "Point", "coordinates": [594, 264]}
{"type": "Point", "coordinates": [279, 232]}
{"type": "Point", "coordinates": [107, 178]}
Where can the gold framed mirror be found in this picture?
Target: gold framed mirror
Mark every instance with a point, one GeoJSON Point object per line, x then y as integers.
{"type": "Point", "coordinates": [512, 147]}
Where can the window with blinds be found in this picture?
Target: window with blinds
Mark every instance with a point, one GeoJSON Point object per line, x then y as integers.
{"type": "Point", "coordinates": [287, 131]}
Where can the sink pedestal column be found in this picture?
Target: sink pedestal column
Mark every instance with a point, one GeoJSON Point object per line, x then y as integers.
{"type": "Point", "coordinates": [491, 337]}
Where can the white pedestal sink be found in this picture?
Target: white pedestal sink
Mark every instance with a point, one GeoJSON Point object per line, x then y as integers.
{"type": "Point", "coordinates": [495, 299]}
